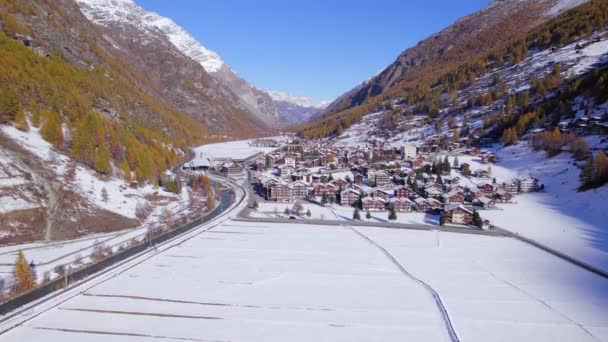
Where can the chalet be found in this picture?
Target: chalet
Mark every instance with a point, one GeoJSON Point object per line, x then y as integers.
{"type": "Point", "coordinates": [486, 188]}
{"type": "Point", "coordinates": [409, 151]}
{"type": "Point", "coordinates": [383, 179]}
{"type": "Point", "coordinates": [381, 193]}
{"type": "Point", "coordinates": [403, 192]}
{"type": "Point", "coordinates": [271, 159]}
{"type": "Point", "coordinates": [401, 204]}
{"type": "Point", "coordinates": [458, 214]}
{"type": "Point", "coordinates": [417, 163]}
{"type": "Point", "coordinates": [488, 157]}
{"type": "Point", "coordinates": [286, 171]}
{"type": "Point", "coordinates": [465, 169]}
{"type": "Point", "coordinates": [374, 204]}
{"type": "Point", "coordinates": [512, 186]}
{"type": "Point", "coordinates": [481, 173]}
{"type": "Point", "coordinates": [290, 161]}
{"type": "Point", "coordinates": [529, 184]}
{"type": "Point", "coordinates": [198, 164]}
{"type": "Point", "coordinates": [259, 167]}
{"type": "Point", "coordinates": [434, 204]}
{"type": "Point", "coordinates": [358, 179]}
{"type": "Point", "coordinates": [281, 193]}
{"type": "Point", "coordinates": [299, 189]}
{"type": "Point", "coordinates": [231, 169]}
{"type": "Point", "coordinates": [503, 196]}
{"type": "Point", "coordinates": [421, 204]}
{"type": "Point", "coordinates": [453, 197]}
{"type": "Point", "coordinates": [326, 189]}
{"type": "Point", "coordinates": [433, 190]}
{"type": "Point", "coordinates": [349, 197]}
{"type": "Point", "coordinates": [261, 160]}
{"type": "Point", "coordinates": [485, 202]}
{"type": "Point", "coordinates": [451, 180]}
{"type": "Point", "coordinates": [339, 184]}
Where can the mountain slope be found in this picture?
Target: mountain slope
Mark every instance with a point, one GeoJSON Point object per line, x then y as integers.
{"type": "Point", "coordinates": [78, 123]}
{"type": "Point", "coordinates": [122, 20]}
{"type": "Point", "coordinates": [155, 46]}
{"type": "Point", "coordinates": [499, 22]}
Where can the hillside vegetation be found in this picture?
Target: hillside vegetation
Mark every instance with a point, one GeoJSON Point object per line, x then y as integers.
{"type": "Point", "coordinates": [436, 91]}
{"type": "Point", "coordinates": [95, 113]}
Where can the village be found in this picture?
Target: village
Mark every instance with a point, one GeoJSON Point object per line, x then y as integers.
{"type": "Point", "coordinates": [427, 177]}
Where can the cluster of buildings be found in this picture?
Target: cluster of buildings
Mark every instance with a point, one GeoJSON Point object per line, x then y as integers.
{"type": "Point", "coordinates": [585, 125]}
{"type": "Point", "coordinates": [227, 168]}
{"type": "Point", "coordinates": [377, 180]}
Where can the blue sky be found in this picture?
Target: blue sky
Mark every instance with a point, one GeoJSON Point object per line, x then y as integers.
{"type": "Point", "coordinates": [313, 48]}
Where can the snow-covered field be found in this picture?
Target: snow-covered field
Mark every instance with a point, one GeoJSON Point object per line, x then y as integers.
{"type": "Point", "coordinates": [274, 282]}
{"type": "Point", "coordinates": [498, 289]}
{"type": "Point", "coordinates": [575, 223]}
{"type": "Point", "coordinates": [239, 149]}
{"type": "Point", "coordinates": [340, 213]}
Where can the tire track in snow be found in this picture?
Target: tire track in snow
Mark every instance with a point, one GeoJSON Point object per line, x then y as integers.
{"type": "Point", "coordinates": [113, 333]}
{"type": "Point", "coordinates": [442, 310]}
{"type": "Point", "coordinates": [542, 302]}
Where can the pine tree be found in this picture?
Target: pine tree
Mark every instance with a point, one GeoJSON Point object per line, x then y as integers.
{"type": "Point", "coordinates": [368, 215]}
{"type": "Point", "coordinates": [255, 205]}
{"type": "Point", "coordinates": [601, 169]}
{"type": "Point", "coordinates": [9, 105]}
{"type": "Point", "coordinates": [356, 215]}
{"type": "Point", "coordinates": [51, 129]}
{"type": "Point", "coordinates": [286, 211]}
{"type": "Point", "coordinates": [102, 161]}
{"type": "Point", "coordinates": [21, 121]}
{"type": "Point", "coordinates": [126, 170]}
{"type": "Point", "coordinates": [308, 213]}
{"type": "Point", "coordinates": [439, 180]}
{"type": "Point", "coordinates": [446, 168]}
{"type": "Point", "coordinates": [587, 173]}
{"type": "Point", "coordinates": [477, 221]}
{"type": "Point", "coordinates": [392, 215]}
{"type": "Point", "coordinates": [210, 201]}
{"type": "Point", "coordinates": [580, 148]}
{"type": "Point", "coordinates": [35, 113]}
{"type": "Point", "coordinates": [456, 164]}
{"type": "Point", "coordinates": [104, 194]}
{"type": "Point", "coordinates": [323, 199]}
{"type": "Point", "coordinates": [23, 274]}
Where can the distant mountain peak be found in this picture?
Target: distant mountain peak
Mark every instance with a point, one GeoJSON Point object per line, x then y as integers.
{"type": "Point", "coordinates": [302, 101]}
{"type": "Point", "coordinates": [107, 12]}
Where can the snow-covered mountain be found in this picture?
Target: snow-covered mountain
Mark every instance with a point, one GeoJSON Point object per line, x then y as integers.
{"type": "Point", "coordinates": [111, 12]}
{"type": "Point", "coordinates": [302, 101]}
{"type": "Point", "coordinates": [294, 109]}
{"type": "Point", "coordinates": [117, 14]}
{"type": "Point", "coordinates": [273, 108]}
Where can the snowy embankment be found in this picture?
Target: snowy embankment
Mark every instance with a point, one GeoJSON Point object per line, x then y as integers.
{"type": "Point", "coordinates": [271, 282]}
{"type": "Point", "coordinates": [337, 212]}
{"type": "Point", "coordinates": [121, 198]}
{"type": "Point", "coordinates": [574, 223]}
